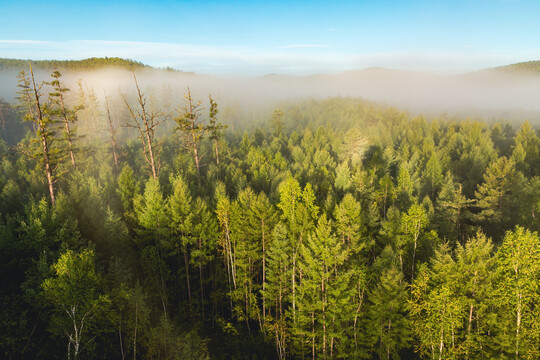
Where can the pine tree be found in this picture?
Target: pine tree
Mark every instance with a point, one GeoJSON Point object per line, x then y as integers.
{"type": "Point", "coordinates": [475, 275]}
{"type": "Point", "coordinates": [150, 209]}
{"type": "Point", "coordinates": [227, 246]}
{"type": "Point", "coordinates": [436, 307]}
{"type": "Point", "coordinates": [299, 213]}
{"type": "Point", "coordinates": [405, 186]}
{"type": "Point", "coordinates": [495, 196]}
{"type": "Point", "coordinates": [67, 116]}
{"type": "Point", "coordinates": [216, 128]}
{"type": "Point", "coordinates": [204, 232]}
{"type": "Point", "coordinates": [413, 224]}
{"type": "Point", "coordinates": [278, 292]}
{"type": "Point", "coordinates": [386, 193]}
{"type": "Point", "coordinates": [38, 113]}
{"type": "Point", "coordinates": [526, 151]}
{"type": "Point", "coordinates": [349, 224]}
{"type": "Point", "coordinates": [453, 215]}
{"type": "Point", "coordinates": [192, 128]}
{"type": "Point", "coordinates": [183, 218]}
{"type": "Point", "coordinates": [433, 176]}
{"type": "Point", "coordinates": [324, 292]}
{"type": "Point", "coordinates": [244, 229]}
{"type": "Point", "coordinates": [518, 259]}
{"type": "Point", "coordinates": [265, 216]}
{"type": "Point", "coordinates": [388, 326]}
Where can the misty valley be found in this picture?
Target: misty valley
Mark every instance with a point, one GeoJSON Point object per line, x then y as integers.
{"type": "Point", "coordinates": [155, 214]}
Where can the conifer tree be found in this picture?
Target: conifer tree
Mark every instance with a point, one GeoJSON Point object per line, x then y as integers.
{"type": "Point", "coordinates": [299, 213]}
{"type": "Point", "coordinates": [67, 116]}
{"type": "Point", "coordinates": [191, 126]}
{"type": "Point", "coordinates": [413, 224]}
{"type": "Point", "coordinates": [152, 216]}
{"type": "Point", "coordinates": [324, 291]}
{"type": "Point", "coordinates": [453, 213]}
{"type": "Point", "coordinates": [518, 259]}
{"type": "Point", "coordinates": [216, 128]}
{"type": "Point", "coordinates": [182, 222]}
{"type": "Point", "coordinates": [526, 151]}
{"type": "Point", "coordinates": [244, 232]}
{"type": "Point", "coordinates": [495, 196]}
{"type": "Point", "coordinates": [228, 247]}
{"type": "Point", "coordinates": [437, 307]}
{"type": "Point", "coordinates": [38, 113]}
{"type": "Point", "coordinates": [278, 292]}
{"type": "Point", "coordinates": [349, 223]}
{"type": "Point", "coordinates": [204, 234]}
{"type": "Point", "coordinates": [388, 327]}
{"type": "Point", "coordinates": [476, 278]}
{"type": "Point", "coordinates": [265, 217]}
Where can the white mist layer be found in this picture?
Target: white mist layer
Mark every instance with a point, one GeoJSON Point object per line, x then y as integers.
{"type": "Point", "coordinates": [485, 93]}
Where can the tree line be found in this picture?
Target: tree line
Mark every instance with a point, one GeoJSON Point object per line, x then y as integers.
{"type": "Point", "coordinates": [325, 229]}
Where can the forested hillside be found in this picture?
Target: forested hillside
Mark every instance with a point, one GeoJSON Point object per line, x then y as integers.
{"type": "Point", "coordinates": [527, 67]}
{"type": "Point", "coordinates": [325, 229]}
{"type": "Point", "coordinates": [85, 64]}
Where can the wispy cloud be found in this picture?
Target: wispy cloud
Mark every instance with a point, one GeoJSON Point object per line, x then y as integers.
{"type": "Point", "coordinates": [303, 46]}
{"type": "Point", "coordinates": [22, 42]}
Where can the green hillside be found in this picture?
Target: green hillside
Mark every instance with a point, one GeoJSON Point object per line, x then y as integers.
{"type": "Point", "coordinates": [85, 64]}
{"type": "Point", "coordinates": [530, 67]}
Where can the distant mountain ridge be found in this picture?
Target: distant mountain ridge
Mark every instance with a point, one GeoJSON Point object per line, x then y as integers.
{"type": "Point", "coordinates": [96, 63]}
{"type": "Point", "coordinates": [93, 63]}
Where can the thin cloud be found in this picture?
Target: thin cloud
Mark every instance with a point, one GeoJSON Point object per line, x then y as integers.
{"type": "Point", "coordinates": [303, 46]}
{"type": "Point", "coordinates": [22, 42]}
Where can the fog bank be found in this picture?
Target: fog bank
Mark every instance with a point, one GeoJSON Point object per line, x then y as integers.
{"type": "Point", "coordinates": [488, 93]}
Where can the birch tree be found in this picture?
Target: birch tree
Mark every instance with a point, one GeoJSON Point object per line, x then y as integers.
{"type": "Point", "coordinates": [75, 292]}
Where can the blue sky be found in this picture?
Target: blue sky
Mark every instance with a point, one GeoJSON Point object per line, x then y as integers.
{"type": "Point", "coordinates": [287, 37]}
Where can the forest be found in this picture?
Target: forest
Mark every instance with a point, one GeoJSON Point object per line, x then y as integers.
{"type": "Point", "coordinates": [135, 225]}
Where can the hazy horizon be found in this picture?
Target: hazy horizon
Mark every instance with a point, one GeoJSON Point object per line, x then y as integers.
{"type": "Point", "coordinates": [286, 38]}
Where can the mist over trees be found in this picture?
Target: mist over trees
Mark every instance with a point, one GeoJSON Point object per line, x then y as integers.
{"type": "Point", "coordinates": [143, 225]}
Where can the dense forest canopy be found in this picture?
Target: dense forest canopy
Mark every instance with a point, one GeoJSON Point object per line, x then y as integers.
{"type": "Point", "coordinates": [138, 225]}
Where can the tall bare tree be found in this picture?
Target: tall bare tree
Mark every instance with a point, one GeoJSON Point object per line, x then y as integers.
{"type": "Point", "coordinates": [39, 114]}
{"type": "Point", "coordinates": [146, 123]}
{"type": "Point", "coordinates": [112, 130]}
{"type": "Point", "coordinates": [192, 127]}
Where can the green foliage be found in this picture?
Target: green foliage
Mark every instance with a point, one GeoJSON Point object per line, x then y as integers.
{"type": "Point", "coordinates": [519, 262]}
{"type": "Point", "coordinates": [75, 292]}
{"type": "Point", "coordinates": [165, 344]}
{"type": "Point", "coordinates": [86, 64]}
{"type": "Point", "coordinates": [317, 235]}
{"type": "Point", "coordinates": [496, 196]}
{"type": "Point", "coordinates": [389, 328]}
